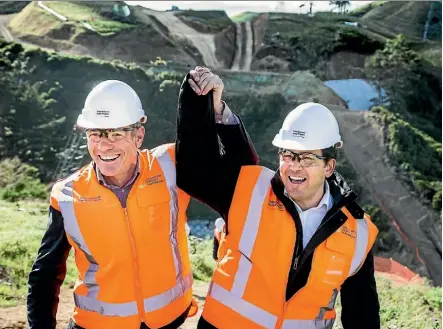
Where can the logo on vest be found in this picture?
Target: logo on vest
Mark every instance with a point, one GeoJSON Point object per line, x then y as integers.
{"type": "Point", "coordinates": [92, 199]}
{"type": "Point", "coordinates": [348, 232]}
{"type": "Point", "coordinates": [276, 204]}
{"type": "Point", "coordinates": [157, 179]}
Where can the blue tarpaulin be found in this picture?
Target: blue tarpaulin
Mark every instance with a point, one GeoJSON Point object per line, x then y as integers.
{"type": "Point", "coordinates": [357, 93]}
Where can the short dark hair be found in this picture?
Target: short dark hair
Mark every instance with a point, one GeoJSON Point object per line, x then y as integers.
{"type": "Point", "coordinates": [330, 152]}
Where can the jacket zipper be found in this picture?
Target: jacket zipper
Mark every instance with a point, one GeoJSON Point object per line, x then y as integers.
{"type": "Point", "coordinates": [140, 305]}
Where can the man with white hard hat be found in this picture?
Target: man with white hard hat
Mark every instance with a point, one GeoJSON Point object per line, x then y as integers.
{"type": "Point", "coordinates": [124, 215]}
{"type": "Point", "coordinates": [292, 238]}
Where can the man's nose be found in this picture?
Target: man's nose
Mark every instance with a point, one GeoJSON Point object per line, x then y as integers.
{"type": "Point", "coordinates": [295, 164]}
{"type": "Point", "coordinates": [104, 144]}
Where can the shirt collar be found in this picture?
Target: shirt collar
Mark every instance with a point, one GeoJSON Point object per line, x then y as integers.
{"type": "Point", "coordinates": [102, 180]}
{"type": "Point", "coordinates": [326, 200]}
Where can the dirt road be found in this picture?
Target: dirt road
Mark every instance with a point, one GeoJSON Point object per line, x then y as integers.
{"type": "Point", "coordinates": [364, 150]}
{"type": "Point", "coordinates": [4, 19]}
{"type": "Point", "coordinates": [244, 47]}
{"type": "Point", "coordinates": [15, 317]}
{"type": "Point", "coordinates": [203, 42]}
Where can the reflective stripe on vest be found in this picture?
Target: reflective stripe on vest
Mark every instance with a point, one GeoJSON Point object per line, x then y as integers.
{"type": "Point", "coordinates": [90, 302]}
{"type": "Point", "coordinates": [250, 230]}
{"type": "Point", "coordinates": [168, 168]}
{"type": "Point", "coordinates": [308, 324]}
{"type": "Point", "coordinates": [243, 307]}
{"type": "Point", "coordinates": [233, 298]}
{"type": "Point", "coordinates": [361, 241]}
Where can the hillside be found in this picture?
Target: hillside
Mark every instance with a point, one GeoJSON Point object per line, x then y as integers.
{"type": "Point", "coordinates": [276, 42]}
{"type": "Point", "coordinates": [95, 30]}
{"type": "Point", "coordinates": [406, 17]}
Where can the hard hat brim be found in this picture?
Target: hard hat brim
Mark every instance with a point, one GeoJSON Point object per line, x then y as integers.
{"type": "Point", "coordinates": [88, 124]}
{"type": "Point", "coordinates": [294, 145]}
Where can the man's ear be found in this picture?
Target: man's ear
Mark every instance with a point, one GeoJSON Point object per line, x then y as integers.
{"type": "Point", "coordinates": [330, 167]}
{"type": "Point", "coordinates": [139, 137]}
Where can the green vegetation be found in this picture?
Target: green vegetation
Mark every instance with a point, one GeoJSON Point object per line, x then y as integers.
{"type": "Point", "coordinates": [244, 17]}
{"type": "Point", "coordinates": [308, 42]}
{"type": "Point", "coordinates": [12, 7]}
{"type": "Point", "coordinates": [412, 120]}
{"type": "Point", "coordinates": [205, 21]}
{"type": "Point", "coordinates": [417, 154]}
{"type": "Point", "coordinates": [410, 89]}
{"type": "Point", "coordinates": [21, 229]}
{"type": "Point", "coordinates": [78, 13]}
{"type": "Point", "coordinates": [201, 258]}
{"type": "Point", "coordinates": [34, 21]}
{"type": "Point", "coordinates": [412, 306]}
{"type": "Point", "coordinates": [29, 126]}
{"type": "Point", "coordinates": [20, 181]}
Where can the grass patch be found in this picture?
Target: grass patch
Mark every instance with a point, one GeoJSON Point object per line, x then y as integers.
{"type": "Point", "coordinates": [83, 13]}
{"type": "Point", "coordinates": [412, 306]}
{"type": "Point", "coordinates": [21, 228]}
{"type": "Point", "coordinates": [201, 258]}
{"type": "Point", "coordinates": [33, 20]}
{"type": "Point", "coordinates": [244, 17]}
{"type": "Point", "coordinates": [20, 181]}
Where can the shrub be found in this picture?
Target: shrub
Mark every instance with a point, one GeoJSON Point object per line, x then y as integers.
{"type": "Point", "coordinates": [417, 154]}
{"type": "Point", "coordinates": [20, 181]}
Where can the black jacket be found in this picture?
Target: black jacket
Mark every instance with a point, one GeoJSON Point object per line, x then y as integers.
{"type": "Point", "coordinates": [49, 270]}
{"type": "Point", "coordinates": [200, 143]}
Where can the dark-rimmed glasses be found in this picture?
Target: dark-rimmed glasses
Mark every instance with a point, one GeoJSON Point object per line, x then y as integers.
{"type": "Point", "coordinates": [305, 159]}
{"type": "Point", "coordinates": [113, 135]}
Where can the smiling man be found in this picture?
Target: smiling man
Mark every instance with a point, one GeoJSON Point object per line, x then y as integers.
{"type": "Point", "coordinates": [294, 238]}
{"type": "Point", "coordinates": [125, 217]}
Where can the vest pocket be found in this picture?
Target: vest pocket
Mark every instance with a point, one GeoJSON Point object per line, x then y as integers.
{"type": "Point", "coordinates": [334, 263]}
{"type": "Point", "coordinates": [155, 213]}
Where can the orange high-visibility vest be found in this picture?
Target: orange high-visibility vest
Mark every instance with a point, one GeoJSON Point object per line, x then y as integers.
{"type": "Point", "coordinates": [133, 262]}
{"type": "Point", "coordinates": [248, 288]}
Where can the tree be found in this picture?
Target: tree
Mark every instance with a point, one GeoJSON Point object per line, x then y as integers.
{"type": "Point", "coordinates": [398, 71]}
{"type": "Point", "coordinates": [29, 125]}
{"type": "Point", "coordinates": [341, 5]}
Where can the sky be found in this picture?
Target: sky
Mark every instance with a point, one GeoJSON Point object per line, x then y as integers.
{"type": "Point", "coordinates": [235, 7]}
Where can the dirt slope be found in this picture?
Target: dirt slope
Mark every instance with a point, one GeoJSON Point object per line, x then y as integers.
{"type": "Point", "coordinates": [244, 47]}
{"type": "Point", "coordinates": [364, 150]}
{"type": "Point", "coordinates": [203, 42]}
{"type": "Point", "coordinates": [4, 32]}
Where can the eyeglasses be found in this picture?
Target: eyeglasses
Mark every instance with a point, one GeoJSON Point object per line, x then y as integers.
{"type": "Point", "coordinates": [113, 135]}
{"type": "Point", "coordinates": [305, 159]}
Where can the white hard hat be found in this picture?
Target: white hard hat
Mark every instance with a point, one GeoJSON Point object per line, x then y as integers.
{"type": "Point", "coordinates": [310, 126]}
{"type": "Point", "coordinates": [111, 104]}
